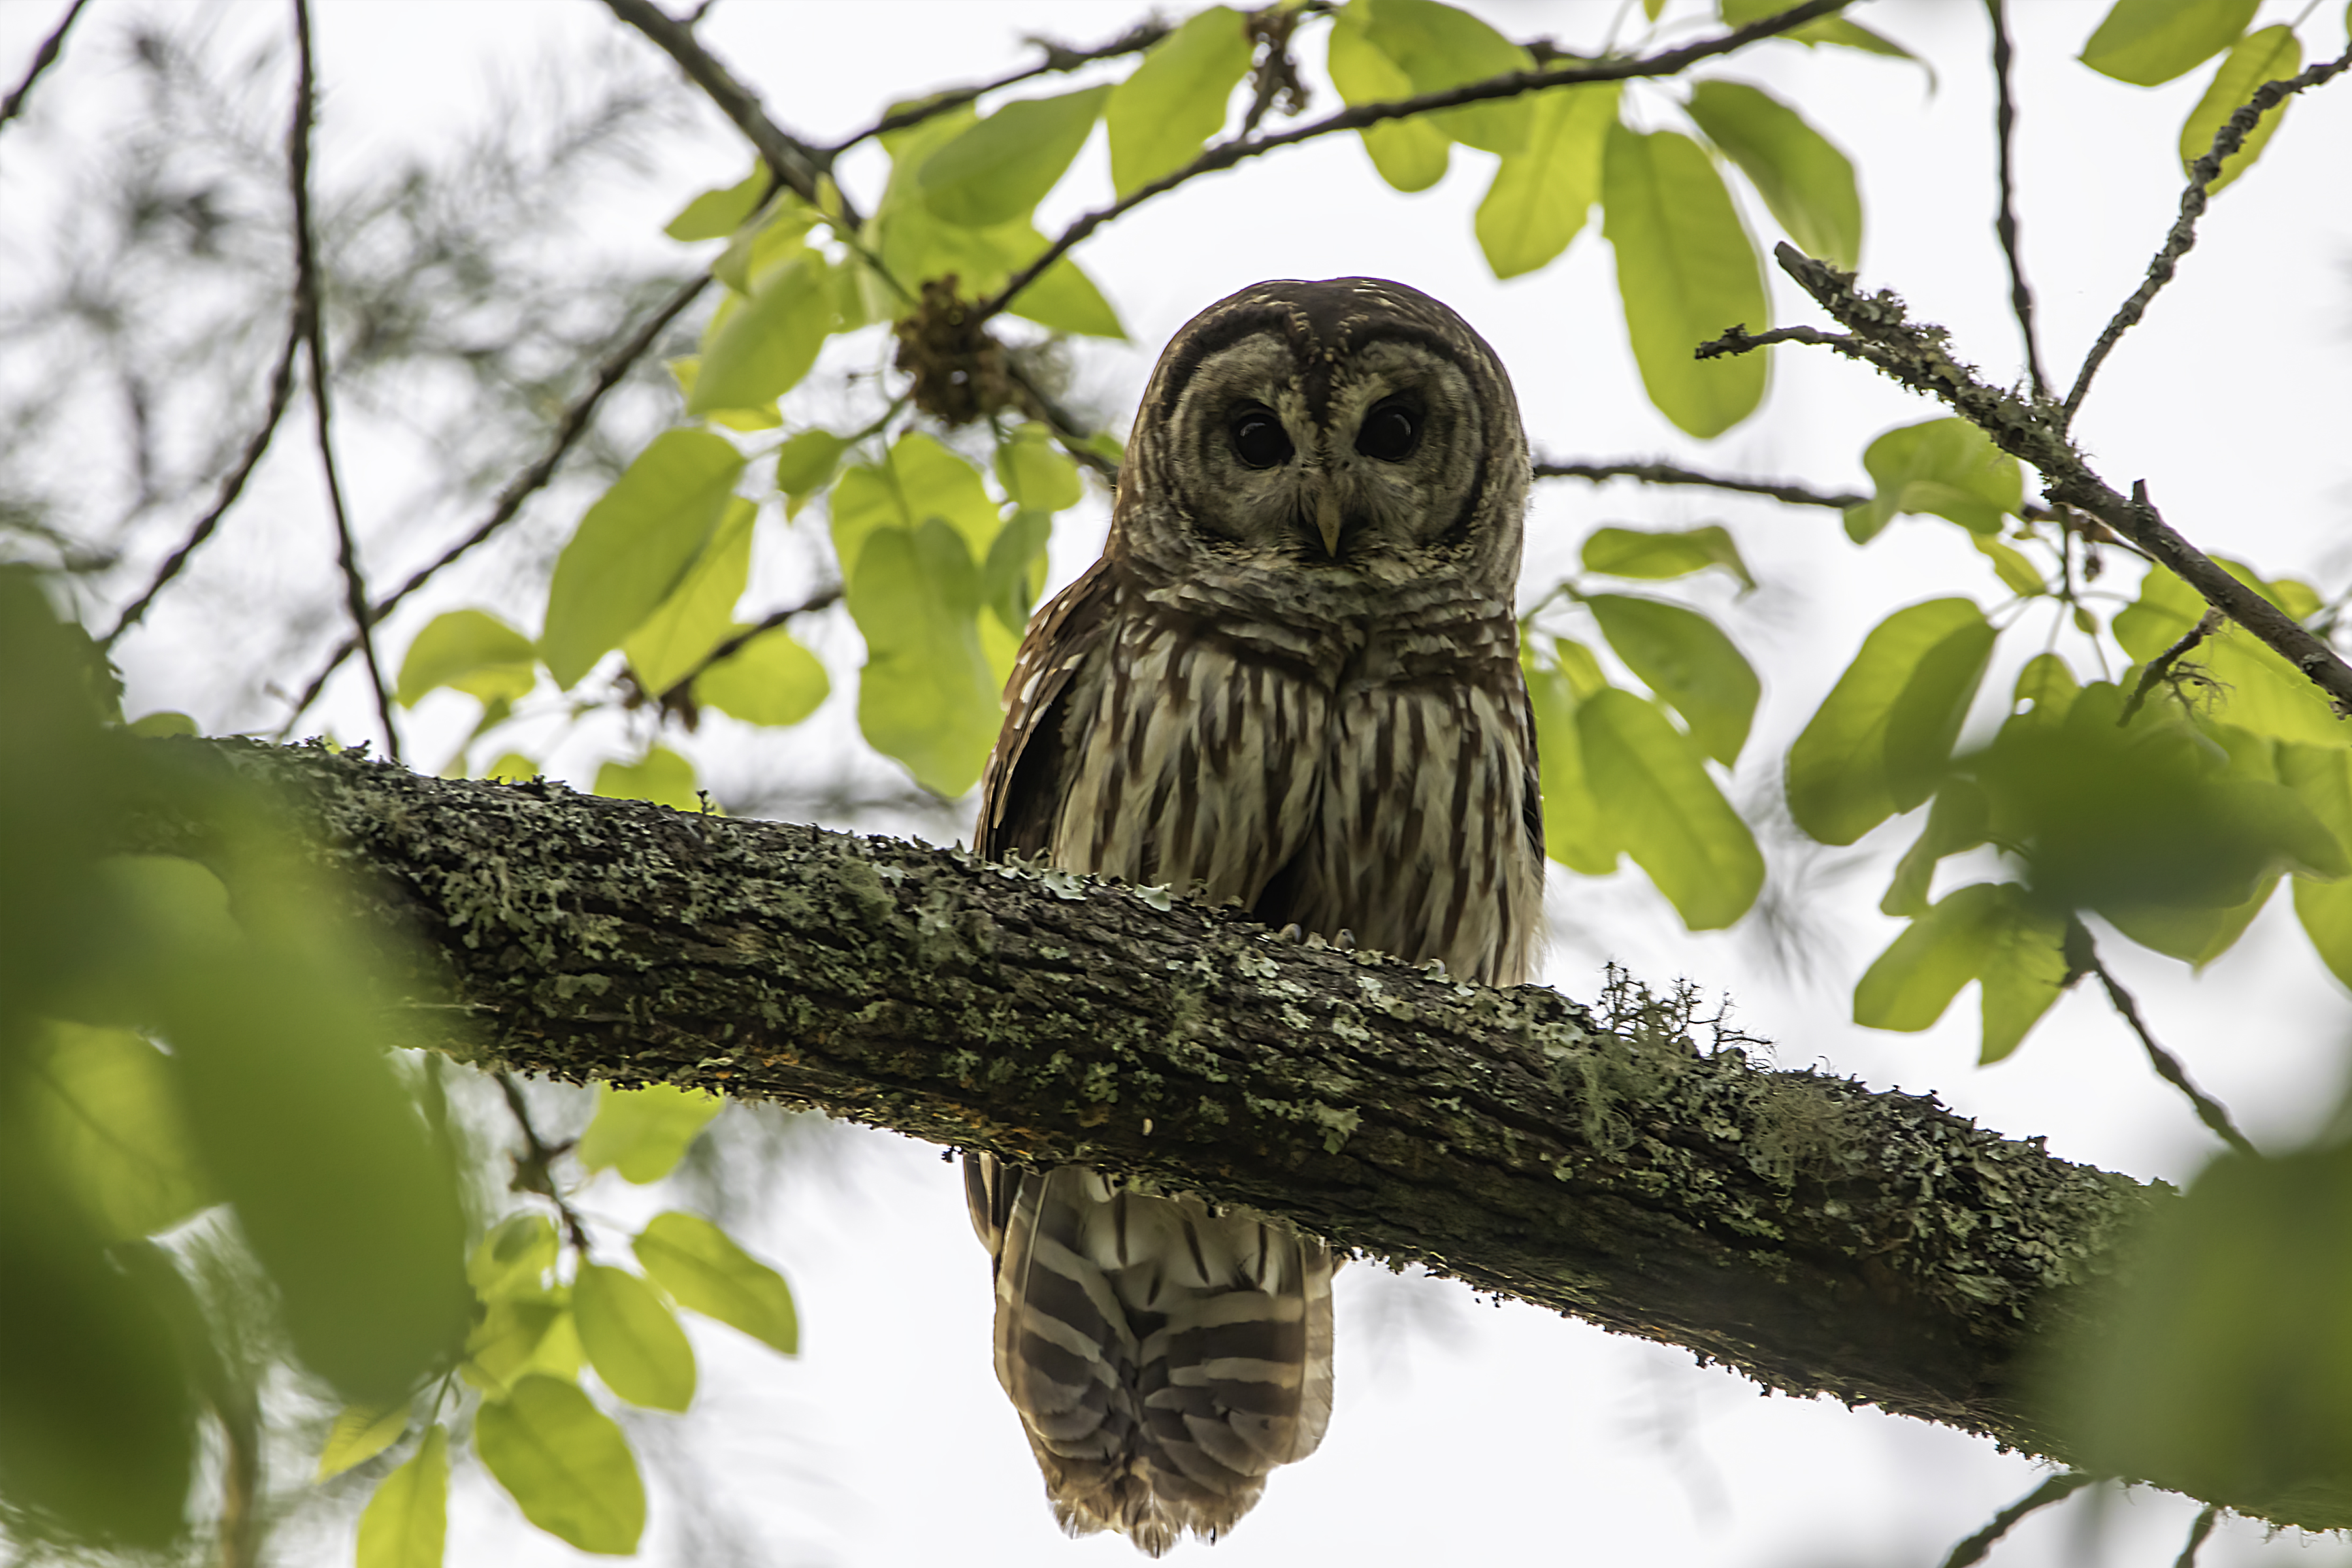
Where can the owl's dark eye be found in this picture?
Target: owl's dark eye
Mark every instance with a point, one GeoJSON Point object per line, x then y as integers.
{"type": "Point", "coordinates": [1259, 437]}
{"type": "Point", "coordinates": [1389, 432]}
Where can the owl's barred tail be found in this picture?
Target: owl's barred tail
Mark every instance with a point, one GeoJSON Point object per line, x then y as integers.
{"type": "Point", "coordinates": [1163, 1359]}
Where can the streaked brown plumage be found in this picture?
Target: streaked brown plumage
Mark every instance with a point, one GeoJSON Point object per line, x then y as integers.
{"type": "Point", "coordinates": [1291, 679]}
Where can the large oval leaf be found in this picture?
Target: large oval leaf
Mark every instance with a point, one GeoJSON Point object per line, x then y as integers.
{"type": "Point", "coordinates": [1685, 659]}
{"type": "Point", "coordinates": [759, 349]}
{"type": "Point", "coordinates": [1806, 182]}
{"type": "Point", "coordinates": [2268, 56]}
{"type": "Point", "coordinates": [1438, 47]}
{"type": "Point", "coordinates": [2147, 42]}
{"type": "Point", "coordinates": [1577, 831]}
{"type": "Point", "coordinates": [405, 1524]}
{"type": "Point", "coordinates": [565, 1463]}
{"type": "Point", "coordinates": [632, 1338]}
{"type": "Point", "coordinates": [700, 1266]}
{"type": "Point", "coordinates": [928, 695]}
{"type": "Point", "coordinates": [1177, 98]}
{"type": "Point", "coordinates": [1409, 155]}
{"type": "Point", "coordinates": [995, 170]}
{"type": "Point", "coordinates": [1542, 194]}
{"type": "Point", "coordinates": [644, 1132]}
{"type": "Point", "coordinates": [1654, 786]}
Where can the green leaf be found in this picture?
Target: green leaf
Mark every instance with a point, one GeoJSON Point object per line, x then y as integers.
{"type": "Point", "coordinates": [687, 369]}
{"type": "Point", "coordinates": [1686, 660]}
{"type": "Point", "coordinates": [1881, 739]}
{"type": "Point", "coordinates": [1956, 822]}
{"type": "Point", "coordinates": [927, 696]}
{"type": "Point", "coordinates": [2241, 680]}
{"type": "Point", "coordinates": [518, 1337]}
{"type": "Point", "coordinates": [2049, 686]}
{"type": "Point", "coordinates": [1542, 194]}
{"type": "Point", "coordinates": [758, 351]}
{"type": "Point", "coordinates": [1014, 572]}
{"type": "Point", "coordinates": [1409, 155]}
{"type": "Point", "coordinates": [806, 461]}
{"type": "Point", "coordinates": [473, 651]}
{"type": "Point", "coordinates": [1807, 182]}
{"type": "Point", "coordinates": [162, 722]}
{"type": "Point", "coordinates": [1947, 467]}
{"type": "Point", "coordinates": [700, 613]}
{"type": "Point", "coordinates": [1654, 784]}
{"type": "Point", "coordinates": [1577, 829]}
{"type": "Point", "coordinates": [513, 1258]}
{"type": "Point", "coordinates": [1663, 553]}
{"type": "Point", "coordinates": [1991, 932]}
{"type": "Point", "coordinates": [720, 211]}
{"type": "Point", "coordinates": [633, 546]}
{"type": "Point", "coordinates": [632, 1338]}
{"type": "Point", "coordinates": [661, 775]}
{"type": "Point", "coordinates": [1037, 473]}
{"type": "Point", "coordinates": [566, 1465]}
{"type": "Point", "coordinates": [771, 680]}
{"type": "Point", "coordinates": [2271, 55]}
{"type": "Point", "coordinates": [996, 169]}
{"type": "Point", "coordinates": [2016, 573]}
{"type": "Point", "coordinates": [644, 1132]}
{"type": "Point", "coordinates": [1064, 300]}
{"type": "Point", "coordinates": [762, 245]}
{"type": "Point", "coordinates": [1686, 271]}
{"type": "Point", "coordinates": [102, 1109]}
{"type": "Point", "coordinates": [1438, 47]}
{"type": "Point", "coordinates": [920, 479]}
{"type": "Point", "coordinates": [703, 1269]}
{"type": "Point", "coordinates": [406, 1523]}
{"type": "Point", "coordinates": [2147, 42]}
{"type": "Point", "coordinates": [2195, 934]}
{"type": "Point", "coordinates": [2321, 776]}
{"type": "Point", "coordinates": [361, 1432]}
{"type": "Point", "coordinates": [1159, 117]}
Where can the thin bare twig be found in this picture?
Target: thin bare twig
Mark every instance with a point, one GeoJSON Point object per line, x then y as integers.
{"type": "Point", "coordinates": [1668, 474]}
{"type": "Point", "coordinates": [1916, 356]}
{"type": "Point", "coordinates": [2161, 664]}
{"type": "Point", "coordinates": [1225, 155]}
{"type": "Point", "coordinates": [43, 58]}
{"type": "Point", "coordinates": [2082, 958]}
{"type": "Point", "coordinates": [2193, 200]}
{"type": "Point", "coordinates": [609, 372]}
{"type": "Point", "coordinates": [2057, 1489]}
{"type": "Point", "coordinates": [2020, 297]}
{"type": "Point", "coordinates": [534, 1167]}
{"type": "Point", "coordinates": [309, 313]}
{"type": "Point", "coordinates": [2197, 1534]}
{"type": "Point", "coordinates": [1058, 58]}
{"type": "Point", "coordinates": [823, 599]}
{"type": "Point", "coordinates": [281, 394]}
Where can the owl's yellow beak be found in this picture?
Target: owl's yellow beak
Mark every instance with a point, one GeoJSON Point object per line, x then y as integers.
{"type": "Point", "coordinates": [1328, 521]}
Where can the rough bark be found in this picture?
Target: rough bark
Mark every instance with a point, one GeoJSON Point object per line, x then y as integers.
{"type": "Point", "coordinates": [1816, 1235]}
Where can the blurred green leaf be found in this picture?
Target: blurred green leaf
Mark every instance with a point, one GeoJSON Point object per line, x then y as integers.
{"type": "Point", "coordinates": [661, 775]}
{"type": "Point", "coordinates": [1036, 472]}
{"type": "Point", "coordinates": [520, 1336]}
{"type": "Point", "coordinates": [2321, 777]}
{"type": "Point", "coordinates": [361, 1432]}
{"type": "Point", "coordinates": [1686, 271]}
{"type": "Point", "coordinates": [761, 245]}
{"type": "Point", "coordinates": [632, 1338]}
{"type": "Point", "coordinates": [405, 1523]}
{"type": "Point", "coordinates": [565, 1463]}
{"type": "Point", "coordinates": [164, 721]}
{"type": "Point", "coordinates": [473, 651]}
{"type": "Point", "coordinates": [1947, 467]}
{"type": "Point", "coordinates": [1663, 553]}
{"type": "Point", "coordinates": [644, 1132]}
{"type": "Point", "coordinates": [1015, 569]}
{"type": "Point", "coordinates": [1542, 194]}
{"type": "Point", "coordinates": [2017, 573]}
{"type": "Point", "coordinates": [719, 212]}
{"type": "Point", "coordinates": [2148, 42]}
{"type": "Point", "coordinates": [759, 349]}
{"type": "Point", "coordinates": [2271, 55]}
{"type": "Point", "coordinates": [1577, 830]}
{"type": "Point", "coordinates": [1409, 155]}
{"type": "Point", "coordinates": [807, 460]}
{"type": "Point", "coordinates": [771, 680]}
{"type": "Point", "coordinates": [918, 481]}
{"type": "Point", "coordinates": [1686, 660]}
{"type": "Point", "coordinates": [1438, 47]}
{"type": "Point", "coordinates": [102, 1109]}
{"type": "Point", "coordinates": [2045, 691]}
{"type": "Point", "coordinates": [2242, 681]}
{"type": "Point", "coordinates": [2194, 934]}
{"type": "Point", "coordinates": [1159, 117]}
{"type": "Point", "coordinates": [702, 1268]}
{"type": "Point", "coordinates": [700, 613]}
{"type": "Point", "coordinates": [1806, 182]}
{"type": "Point", "coordinates": [634, 545]}
{"type": "Point", "coordinates": [513, 1258]}
{"type": "Point", "coordinates": [998, 168]}
{"type": "Point", "coordinates": [1956, 822]}
{"type": "Point", "coordinates": [1823, 30]}
{"type": "Point", "coordinates": [927, 696]}
{"type": "Point", "coordinates": [1880, 741]}
{"type": "Point", "coordinates": [686, 371]}
{"type": "Point", "coordinates": [1995, 933]}
{"type": "Point", "coordinates": [1653, 783]}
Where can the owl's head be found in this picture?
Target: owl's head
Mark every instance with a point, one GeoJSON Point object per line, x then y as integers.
{"type": "Point", "coordinates": [1352, 428]}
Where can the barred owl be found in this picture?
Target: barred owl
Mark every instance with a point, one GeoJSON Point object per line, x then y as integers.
{"type": "Point", "coordinates": [1292, 679]}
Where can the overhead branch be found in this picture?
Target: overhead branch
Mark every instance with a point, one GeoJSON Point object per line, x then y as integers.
{"type": "Point", "coordinates": [1669, 473]}
{"type": "Point", "coordinates": [1059, 59]}
{"type": "Point", "coordinates": [2020, 296]}
{"type": "Point", "coordinates": [1817, 1235]}
{"type": "Point", "coordinates": [1880, 333]}
{"type": "Point", "coordinates": [43, 58]}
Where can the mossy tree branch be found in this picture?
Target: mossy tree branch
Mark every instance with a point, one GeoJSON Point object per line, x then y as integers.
{"type": "Point", "coordinates": [1816, 1235]}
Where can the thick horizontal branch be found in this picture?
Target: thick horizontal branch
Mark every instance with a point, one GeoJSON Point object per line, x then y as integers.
{"type": "Point", "coordinates": [1816, 1235]}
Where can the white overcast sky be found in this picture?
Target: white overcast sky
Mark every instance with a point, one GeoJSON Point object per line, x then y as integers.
{"type": "Point", "coordinates": [1502, 1432]}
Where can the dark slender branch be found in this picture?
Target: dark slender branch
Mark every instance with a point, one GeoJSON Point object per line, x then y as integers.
{"type": "Point", "coordinates": [2082, 958]}
{"type": "Point", "coordinates": [614, 366]}
{"type": "Point", "coordinates": [309, 312]}
{"type": "Point", "coordinates": [1668, 474]}
{"type": "Point", "coordinates": [2057, 1489]}
{"type": "Point", "coordinates": [2197, 1534]}
{"type": "Point", "coordinates": [43, 58]}
{"type": "Point", "coordinates": [534, 1167]}
{"type": "Point", "coordinates": [1225, 155]}
{"type": "Point", "coordinates": [2183, 236]}
{"type": "Point", "coordinates": [1058, 58]}
{"type": "Point", "coordinates": [2161, 664]}
{"type": "Point", "coordinates": [2020, 297]}
{"type": "Point", "coordinates": [1915, 355]}
{"type": "Point", "coordinates": [823, 599]}
{"type": "Point", "coordinates": [1067, 429]}
{"type": "Point", "coordinates": [281, 394]}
